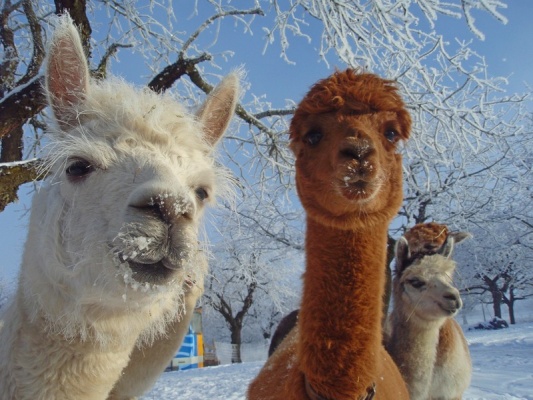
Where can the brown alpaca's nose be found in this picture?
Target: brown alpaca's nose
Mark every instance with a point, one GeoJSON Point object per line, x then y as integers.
{"type": "Point", "coordinates": [358, 150]}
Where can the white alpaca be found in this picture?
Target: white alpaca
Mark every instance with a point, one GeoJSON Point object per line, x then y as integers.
{"type": "Point", "coordinates": [112, 266]}
{"type": "Point", "coordinates": [425, 341]}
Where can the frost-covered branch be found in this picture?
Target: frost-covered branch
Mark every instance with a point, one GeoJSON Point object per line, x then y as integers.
{"type": "Point", "coordinates": [213, 18]}
{"type": "Point", "coordinates": [101, 71]}
{"type": "Point", "coordinates": [12, 175]}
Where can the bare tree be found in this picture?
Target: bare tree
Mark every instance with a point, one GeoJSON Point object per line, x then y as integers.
{"type": "Point", "coordinates": [23, 36]}
{"type": "Point", "coordinates": [462, 119]}
{"type": "Point", "coordinates": [253, 276]}
{"type": "Point", "coordinates": [497, 262]}
{"type": "Point", "coordinates": [469, 136]}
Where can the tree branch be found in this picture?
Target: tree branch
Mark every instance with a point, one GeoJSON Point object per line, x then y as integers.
{"type": "Point", "coordinates": [273, 113]}
{"type": "Point", "coordinates": [13, 175]}
{"type": "Point", "coordinates": [20, 105]}
{"type": "Point", "coordinates": [37, 40]}
{"type": "Point", "coordinates": [101, 71]}
{"type": "Point", "coordinates": [247, 302]}
{"type": "Point", "coordinates": [213, 18]}
{"type": "Point", "coordinates": [197, 79]}
{"type": "Point", "coordinates": [170, 74]}
{"type": "Point", "coordinates": [11, 59]}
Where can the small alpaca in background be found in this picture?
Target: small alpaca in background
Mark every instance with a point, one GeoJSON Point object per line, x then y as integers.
{"type": "Point", "coordinates": [286, 324]}
{"type": "Point", "coordinates": [424, 340]}
{"type": "Point", "coordinates": [112, 266]}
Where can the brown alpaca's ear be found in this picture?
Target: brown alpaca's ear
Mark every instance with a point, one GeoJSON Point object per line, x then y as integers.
{"type": "Point", "coordinates": [67, 73]}
{"type": "Point", "coordinates": [451, 240]}
{"type": "Point", "coordinates": [402, 255]}
{"type": "Point", "coordinates": [216, 112]}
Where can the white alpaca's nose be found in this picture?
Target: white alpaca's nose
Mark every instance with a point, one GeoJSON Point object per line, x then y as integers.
{"type": "Point", "coordinates": [168, 206]}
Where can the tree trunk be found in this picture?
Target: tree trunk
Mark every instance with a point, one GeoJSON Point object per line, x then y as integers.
{"type": "Point", "coordinates": [510, 305]}
{"type": "Point", "coordinates": [511, 313]}
{"type": "Point", "coordinates": [236, 344]}
{"type": "Point", "coordinates": [497, 297]}
{"type": "Point", "coordinates": [11, 150]}
{"type": "Point", "coordinates": [497, 303]}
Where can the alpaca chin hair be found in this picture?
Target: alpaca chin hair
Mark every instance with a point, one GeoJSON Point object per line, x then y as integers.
{"type": "Point", "coordinates": [157, 255]}
{"type": "Point", "coordinates": [106, 331]}
{"type": "Point", "coordinates": [360, 191]}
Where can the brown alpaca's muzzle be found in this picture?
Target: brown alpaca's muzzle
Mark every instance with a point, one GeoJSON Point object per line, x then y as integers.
{"type": "Point", "coordinates": [358, 170]}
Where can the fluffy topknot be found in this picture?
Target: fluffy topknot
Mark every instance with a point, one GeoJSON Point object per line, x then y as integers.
{"type": "Point", "coordinates": [351, 90]}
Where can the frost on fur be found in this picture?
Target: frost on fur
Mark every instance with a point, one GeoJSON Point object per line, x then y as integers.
{"type": "Point", "coordinates": [112, 266]}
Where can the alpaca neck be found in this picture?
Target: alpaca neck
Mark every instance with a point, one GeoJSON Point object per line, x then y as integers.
{"type": "Point", "coordinates": [413, 346]}
{"type": "Point", "coordinates": [58, 368]}
{"type": "Point", "coordinates": [340, 317]}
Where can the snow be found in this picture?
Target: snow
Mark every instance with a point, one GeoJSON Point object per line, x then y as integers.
{"type": "Point", "coordinates": [502, 359]}
{"type": "Point", "coordinates": [17, 163]}
{"type": "Point", "coordinates": [228, 382]}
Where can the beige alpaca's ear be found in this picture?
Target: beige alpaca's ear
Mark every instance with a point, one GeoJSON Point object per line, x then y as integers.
{"type": "Point", "coordinates": [402, 254]}
{"type": "Point", "coordinates": [452, 239]}
{"type": "Point", "coordinates": [458, 237]}
{"type": "Point", "coordinates": [67, 73]}
{"type": "Point", "coordinates": [216, 112]}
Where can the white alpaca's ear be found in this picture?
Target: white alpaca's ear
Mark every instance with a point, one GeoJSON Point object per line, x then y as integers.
{"type": "Point", "coordinates": [67, 73]}
{"type": "Point", "coordinates": [216, 112]}
{"type": "Point", "coordinates": [402, 254]}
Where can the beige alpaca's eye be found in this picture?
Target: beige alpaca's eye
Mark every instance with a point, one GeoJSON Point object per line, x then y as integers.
{"type": "Point", "coordinates": [313, 137]}
{"type": "Point", "coordinates": [78, 169]}
{"type": "Point", "coordinates": [416, 283]}
{"type": "Point", "coordinates": [201, 193]}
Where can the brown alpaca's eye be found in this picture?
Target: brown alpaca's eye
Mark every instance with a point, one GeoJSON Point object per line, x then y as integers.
{"type": "Point", "coordinates": [416, 283]}
{"type": "Point", "coordinates": [313, 137]}
{"type": "Point", "coordinates": [78, 170]}
{"type": "Point", "coordinates": [201, 194]}
{"type": "Point", "coordinates": [391, 135]}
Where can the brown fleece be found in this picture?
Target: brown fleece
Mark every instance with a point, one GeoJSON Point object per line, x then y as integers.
{"type": "Point", "coordinates": [344, 135]}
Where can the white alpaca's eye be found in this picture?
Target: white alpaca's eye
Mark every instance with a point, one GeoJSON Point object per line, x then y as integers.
{"type": "Point", "coordinates": [201, 193]}
{"type": "Point", "coordinates": [78, 170]}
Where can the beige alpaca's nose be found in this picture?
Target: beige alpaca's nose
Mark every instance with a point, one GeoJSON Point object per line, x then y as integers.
{"type": "Point", "coordinates": [454, 299]}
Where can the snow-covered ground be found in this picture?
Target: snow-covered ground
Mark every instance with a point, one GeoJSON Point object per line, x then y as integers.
{"type": "Point", "coordinates": [503, 370]}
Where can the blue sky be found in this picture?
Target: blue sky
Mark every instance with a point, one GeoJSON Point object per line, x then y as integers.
{"type": "Point", "coordinates": [503, 48]}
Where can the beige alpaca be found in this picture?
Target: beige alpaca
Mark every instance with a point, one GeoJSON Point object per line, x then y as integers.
{"type": "Point", "coordinates": [425, 341]}
{"type": "Point", "coordinates": [112, 266]}
{"type": "Point", "coordinates": [344, 135]}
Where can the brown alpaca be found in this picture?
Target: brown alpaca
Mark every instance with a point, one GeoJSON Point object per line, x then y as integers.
{"type": "Point", "coordinates": [344, 135]}
{"type": "Point", "coordinates": [425, 341]}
